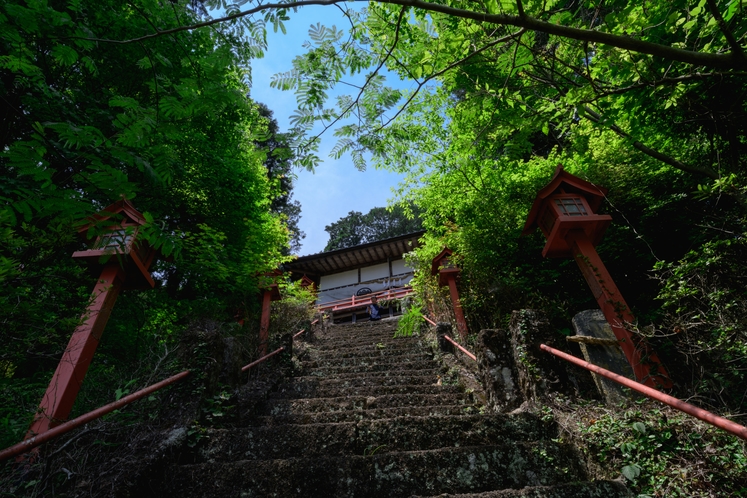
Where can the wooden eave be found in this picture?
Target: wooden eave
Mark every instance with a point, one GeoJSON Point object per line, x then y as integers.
{"type": "Point", "coordinates": [352, 258]}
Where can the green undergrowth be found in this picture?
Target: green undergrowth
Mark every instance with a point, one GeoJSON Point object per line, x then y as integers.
{"type": "Point", "coordinates": [410, 322]}
{"type": "Point", "coordinates": [659, 451]}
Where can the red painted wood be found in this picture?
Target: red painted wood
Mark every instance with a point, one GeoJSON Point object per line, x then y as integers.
{"type": "Point", "coordinates": [454, 293]}
{"type": "Point", "coordinates": [646, 365]}
{"type": "Point", "coordinates": [60, 396]}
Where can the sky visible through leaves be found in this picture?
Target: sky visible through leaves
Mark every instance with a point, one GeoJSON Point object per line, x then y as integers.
{"type": "Point", "coordinates": [336, 188]}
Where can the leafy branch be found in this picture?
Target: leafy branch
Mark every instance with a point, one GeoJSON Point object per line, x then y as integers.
{"type": "Point", "coordinates": [732, 60]}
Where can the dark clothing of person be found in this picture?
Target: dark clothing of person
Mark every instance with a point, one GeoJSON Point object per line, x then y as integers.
{"type": "Point", "coordinates": [374, 311]}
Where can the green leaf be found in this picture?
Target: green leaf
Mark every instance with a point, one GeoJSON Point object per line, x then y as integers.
{"type": "Point", "coordinates": [631, 472]}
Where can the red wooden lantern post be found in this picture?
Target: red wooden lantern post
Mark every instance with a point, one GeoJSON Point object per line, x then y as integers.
{"type": "Point", "coordinates": [126, 268]}
{"type": "Point", "coordinates": [270, 293]}
{"type": "Point", "coordinates": [565, 211]}
{"type": "Point", "coordinates": [447, 274]}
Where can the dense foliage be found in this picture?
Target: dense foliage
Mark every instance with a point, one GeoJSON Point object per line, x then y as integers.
{"type": "Point", "coordinates": [645, 98]}
{"type": "Point", "coordinates": [165, 123]}
{"type": "Point", "coordinates": [377, 224]}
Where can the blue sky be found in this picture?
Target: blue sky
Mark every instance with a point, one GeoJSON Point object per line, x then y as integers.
{"type": "Point", "coordinates": [336, 187]}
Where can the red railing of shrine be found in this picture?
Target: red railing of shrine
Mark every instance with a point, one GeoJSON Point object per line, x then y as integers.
{"type": "Point", "coordinates": [359, 301]}
{"type": "Point", "coordinates": [39, 439]}
{"type": "Point", "coordinates": [704, 415]}
{"type": "Point", "coordinates": [33, 442]}
{"type": "Point", "coordinates": [459, 346]}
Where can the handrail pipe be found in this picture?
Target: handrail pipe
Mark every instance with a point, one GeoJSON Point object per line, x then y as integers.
{"type": "Point", "coordinates": [704, 415]}
{"type": "Point", "coordinates": [39, 439]}
{"type": "Point", "coordinates": [473, 357]}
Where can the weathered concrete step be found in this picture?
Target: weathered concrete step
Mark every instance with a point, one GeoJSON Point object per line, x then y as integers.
{"type": "Point", "coordinates": [592, 489]}
{"type": "Point", "coordinates": [384, 378]}
{"type": "Point", "coordinates": [384, 323]}
{"type": "Point", "coordinates": [373, 414]}
{"type": "Point", "coordinates": [281, 407]}
{"type": "Point", "coordinates": [372, 350]}
{"type": "Point", "coordinates": [401, 474]}
{"type": "Point", "coordinates": [367, 360]}
{"type": "Point", "coordinates": [374, 367]}
{"type": "Point", "coordinates": [369, 436]}
{"type": "Point", "coordinates": [330, 344]}
{"type": "Point", "coordinates": [367, 327]}
{"type": "Point", "coordinates": [308, 390]}
{"type": "Point", "coordinates": [375, 374]}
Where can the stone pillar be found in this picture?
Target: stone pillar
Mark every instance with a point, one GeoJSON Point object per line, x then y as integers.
{"type": "Point", "coordinates": [442, 329]}
{"type": "Point", "coordinates": [497, 368]}
{"type": "Point", "coordinates": [540, 373]}
{"type": "Point", "coordinates": [592, 323]}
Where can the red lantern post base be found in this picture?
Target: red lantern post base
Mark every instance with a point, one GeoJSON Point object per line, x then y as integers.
{"type": "Point", "coordinates": [63, 389]}
{"type": "Point", "coordinates": [458, 312]}
{"type": "Point", "coordinates": [646, 365]}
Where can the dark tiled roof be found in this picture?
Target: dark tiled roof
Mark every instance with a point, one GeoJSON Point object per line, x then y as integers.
{"type": "Point", "coordinates": [326, 263]}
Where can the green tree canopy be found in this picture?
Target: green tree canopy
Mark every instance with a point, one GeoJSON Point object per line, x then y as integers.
{"type": "Point", "coordinates": [378, 224]}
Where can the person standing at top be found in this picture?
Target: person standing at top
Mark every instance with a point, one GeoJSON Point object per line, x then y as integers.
{"type": "Point", "coordinates": [373, 309]}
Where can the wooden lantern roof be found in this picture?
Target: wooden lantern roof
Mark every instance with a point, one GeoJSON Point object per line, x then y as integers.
{"type": "Point", "coordinates": [562, 180]}
{"type": "Point", "coordinates": [444, 273]}
{"type": "Point", "coordinates": [272, 285]}
{"type": "Point", "coordinates": [135, 256]}
{"type": "Point", "coordinates": [129, 215]}
{"type": "Point", "coordinates": [436, 264]}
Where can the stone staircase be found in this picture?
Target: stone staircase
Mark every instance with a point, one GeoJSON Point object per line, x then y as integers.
{"type": "Point", "coordinates": [370, 416]}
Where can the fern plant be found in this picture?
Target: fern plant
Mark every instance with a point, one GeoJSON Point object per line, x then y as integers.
{"type": "Point", "coordinates": [410, 322]}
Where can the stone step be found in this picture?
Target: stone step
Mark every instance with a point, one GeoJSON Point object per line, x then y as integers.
{"type": "Point", "coordinates": [371, 414]}
{"type": "Point", "coordinates": [410, 357]}
{"type": "Point", "coordinates": [374, 367]}
{"type": "Point", "coordinates": [369, 436]}
{"type": "Point", "coordinates": [399, 474]}
{"type": "Point", "coordinates": [392, 350]}
{"type": "Point", "coordinates": [375, 374]}
{"type": "Point", "coordinates": [331, 344]}
{"type": "Point", "coordinates": [384, 378]}
{"type": "Point", "coordinates": [586, 489]}
{"type": "Point", "coordinates": [388, 327]}
{"type": "Point", "coordinates": [280, 407]}
{"type": "Point", "coordinates": [308, 390]}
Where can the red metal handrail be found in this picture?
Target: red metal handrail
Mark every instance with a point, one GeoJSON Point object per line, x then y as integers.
{"type": "Point", "coordinates": [61, 429]}
{"type": "Point", "coordinates": [263, 359]}
{"type": "Point", "coordinates": [704, 415]}
{"type": "Point", "coordinates": [473, 357]}
{"type": "Point", "coordinates": [470, 355]}
{"type": "Point", "coordinates": [66, 427]}
{"type": "Point", "coordinates": [270, 355]}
